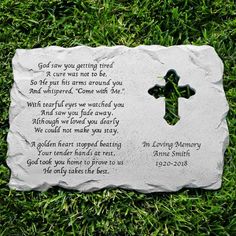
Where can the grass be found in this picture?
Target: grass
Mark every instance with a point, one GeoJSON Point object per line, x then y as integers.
{"type": "Point", "coordinates": [31, 24]}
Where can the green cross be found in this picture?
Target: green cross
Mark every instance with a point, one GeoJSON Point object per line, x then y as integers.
{"type": "Point", "coordinates": [171, 91]}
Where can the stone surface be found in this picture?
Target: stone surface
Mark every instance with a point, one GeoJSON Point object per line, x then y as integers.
{"type": "Point", "coordinates": [82, 118]}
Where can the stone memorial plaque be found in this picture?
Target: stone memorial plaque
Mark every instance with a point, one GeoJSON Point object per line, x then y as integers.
{"type": "Point", "coordinates": [148, 118]}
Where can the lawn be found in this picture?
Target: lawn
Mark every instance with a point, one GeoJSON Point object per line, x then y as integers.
{"type": "Point", "coordinates": [32, 24]}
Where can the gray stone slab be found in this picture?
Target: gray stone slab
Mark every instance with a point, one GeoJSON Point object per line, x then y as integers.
{"type": "Point", "coordinates": [84, 118]}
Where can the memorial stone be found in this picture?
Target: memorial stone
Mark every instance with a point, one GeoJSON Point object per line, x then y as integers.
{"type": "Point", "coordinates": [149, 118]}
